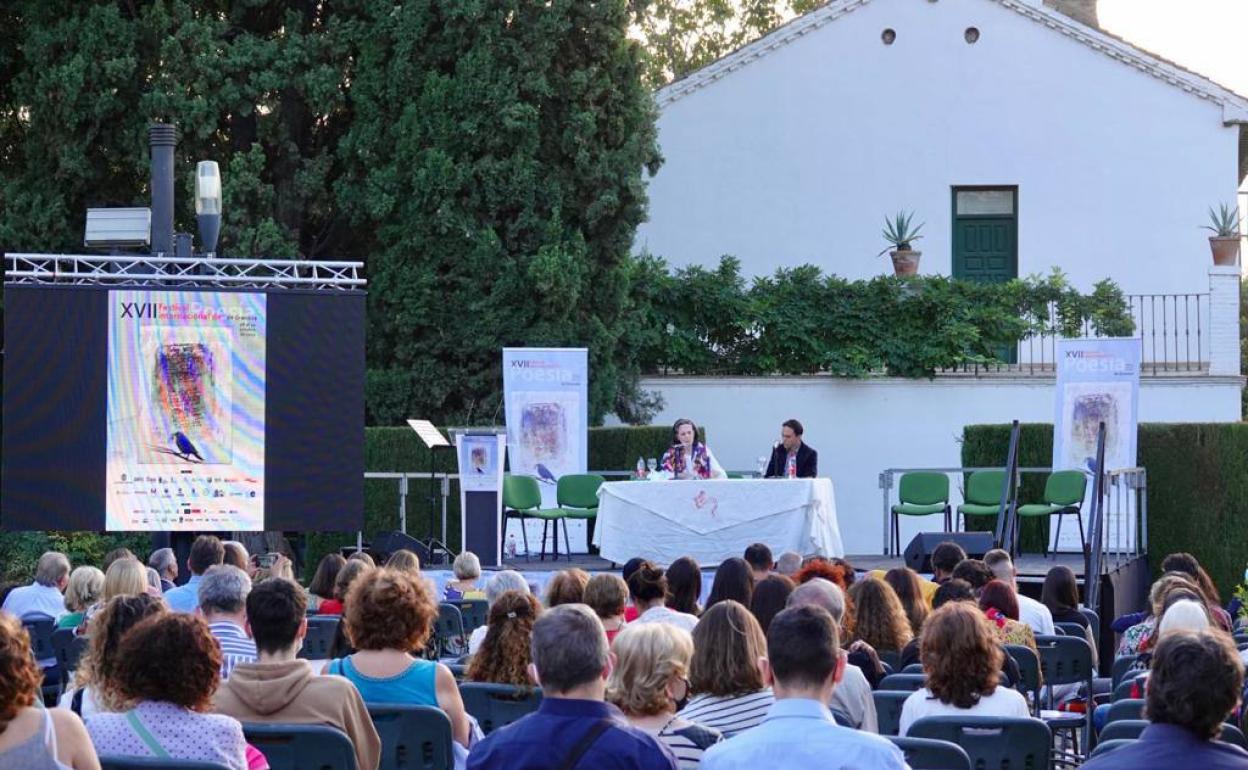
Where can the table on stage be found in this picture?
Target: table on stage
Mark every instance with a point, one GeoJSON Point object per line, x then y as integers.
{"type": "Point", "coordinates": [716, 519]}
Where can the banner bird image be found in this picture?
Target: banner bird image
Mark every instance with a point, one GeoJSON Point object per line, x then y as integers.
{"type": "Point", "coordinates": [186, 449]}
{"type": "Point", "coordinates": [544, 474]}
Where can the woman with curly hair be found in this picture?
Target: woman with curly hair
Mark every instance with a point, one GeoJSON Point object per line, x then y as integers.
{"type": "Point", "coordinates": [504, 655]}
{"type": "Point", "coordinates": [389, 613]}
{"type": "Point", "coordinates": [962, 661]}
{"type": "Point", "coordinates": [729, 693]}
{"type": "Point", "coordinates": [169, 667]}
{"type": "Point", "coordinates": [650, 682]}
{"type": "Point", "coordinates": [881, 620]}
{"type": "Point", "coordinates": [31, 737]}
{"type": "Point", "coordinates": [94, 689]}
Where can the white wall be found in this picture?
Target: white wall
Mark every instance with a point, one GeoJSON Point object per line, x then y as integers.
{"type": "Point", "coordinates": [861, 427]}
{"type": "Point", "coordinates": [799, 155]}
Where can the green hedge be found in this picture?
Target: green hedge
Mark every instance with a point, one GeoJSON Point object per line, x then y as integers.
{"type": "Point", "coordinates": [1197, 487]}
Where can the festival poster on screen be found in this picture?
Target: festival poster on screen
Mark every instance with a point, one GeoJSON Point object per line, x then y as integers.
{"type": "Point", "coordinates": [547, 407]}
{"type": "Point", "coordinates": [186, 395]}
{"type": "Point", "coordinates": [1098, 380]}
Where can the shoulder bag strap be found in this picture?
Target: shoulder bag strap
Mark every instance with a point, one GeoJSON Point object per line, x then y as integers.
{"type": "Point", "coordinates": [146, 736]}
{"type": "Point", "coordinates": [582, 746]}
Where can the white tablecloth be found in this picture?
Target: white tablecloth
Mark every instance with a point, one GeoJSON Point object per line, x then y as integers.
{"type": "Point", "coordinates": [715, 520]}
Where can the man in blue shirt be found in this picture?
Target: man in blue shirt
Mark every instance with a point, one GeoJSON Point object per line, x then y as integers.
{"type": "Point", "coordinates": [206, 552]}
{"type": "Point", "coordinates": [573, 727]}
{"type": "Point", "coordinates": [1193, 685]}
{"type": "Point", "coordinates": [803, 666]}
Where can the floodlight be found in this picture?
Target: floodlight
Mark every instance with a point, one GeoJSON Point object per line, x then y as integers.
{"type": "Point", "coordinates": [118, 227]}
{"type": "Point", "coordinates": [208, 203]}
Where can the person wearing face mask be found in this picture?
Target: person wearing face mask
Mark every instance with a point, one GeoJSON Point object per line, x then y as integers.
{"type": "Point", "coordinates": [688, 458]}
{"type": "Point", "coordinates": [650, 684]}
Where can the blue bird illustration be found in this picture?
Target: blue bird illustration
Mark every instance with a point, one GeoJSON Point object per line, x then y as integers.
{"type": "Point", "coordinates": [185, 447]}
{"type": "Point", "coordinates": [544, 474]}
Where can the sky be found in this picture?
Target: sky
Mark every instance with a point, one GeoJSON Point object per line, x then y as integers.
{"type": "Point", "coordinates": [1207, 36]}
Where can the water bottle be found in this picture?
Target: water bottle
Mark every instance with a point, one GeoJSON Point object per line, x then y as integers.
{"type": "Point", "coordinates": [641, 468]}
{"type": "Point", "coordinates": [511, 546]}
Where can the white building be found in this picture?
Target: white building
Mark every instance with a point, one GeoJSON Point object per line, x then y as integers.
{"type": "Point", "coordinates": [1000, 122]}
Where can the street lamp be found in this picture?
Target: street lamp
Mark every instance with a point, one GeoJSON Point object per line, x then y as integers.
{"type": "Point", "coordinates": [208, 204]}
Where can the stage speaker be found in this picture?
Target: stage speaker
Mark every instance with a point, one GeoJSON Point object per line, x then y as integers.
{"type": "Point", "coordinates": [386, 543]}
{"type": "Point", "coordinates": [918, 553]}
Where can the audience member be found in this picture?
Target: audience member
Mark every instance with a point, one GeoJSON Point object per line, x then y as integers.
{"type": "Point", "coordinates": [974, 572]}
{"type": "Point", "coordinates": [94, 686]}
{"type": "Point", "coordinates": [684, 586]}
{"type": "Point", "coordinates": [1060, 594]}
{"type": "Point", "coordinates": [279, 566]}
{"type": "Point", "coordinates": [946, 557]}
{"type": "Point", "coordinates": [1195, 684]}
{"type": "Point", "coordinates": [804, 665]}
{"type": "Point", "coordinates": [467, 569]}
{"type": "Point", "coordinates": [236, 555]}
{"type": "Point", "coordinates": [405, 560]}
{"type": "Point", "coordinates": [206, 552]}
{"type": "Point", "coordinates": [915, 599]}
{"type": "Point", "coordinates": [169, 667]}
{"type": "Point", "coordinates": [851, 574]}
{"type": "Point", "coordinates": [116, 555]}
{"type": "Point", "coordinates": [45, 595]}
{"type": "Point", "coordinates": [1030, 611]}
{"type": "Point", "coordinates": [389, 614]}
{"type": "Point", "coordinates": [852, 697]}
{"type": "Point", "coordinates": [819, 567]}
{"type": "Point", "coordinates": [881, 620]}
{"type": "Point", "coordinates": [567, 587]}
{"type": "Point", "coordinates": [125, 577]}
{"type": "Point", "coordinates": [165, 563]}
{"type": "Point", "coordinates": [758, 556]}
{"type": "Point", "coordinates": [607, 595]}
{"type": "Point", "coordinates": [631, 612]}
{"type": "Point", "coordinates": [734, 579]}
{"type": "Point", "coordinates": [1135, 636]}
{"type": "Point", "coordinates": [729, 694]}
{"type": "Point", "coordinates": [223, 603]}
{"type": "Point", "coordinates": [1186, 564]}
{"type": "Point", "coordinates": [503, 657]}
{"type": "Point", "coordinates": [279, 687]}
{"type": "Point", "coordinates": [954, 590]}
{"type": "Point", "coordinates": [153, 582]}
{"type": "Point", "coordinates": [502, 582]}
{"type": "Point", "coordinates": [321, 588]}
{"type": "Point", "coordinates": [650, 683]}
{"type": "Point", "coordinates": [648, 588]}
{"type": "Point", "coordinates": [962, 661]}
{"type": "Point", "coordinates": [769, 598]}
{"type": "Point", "coordinates": [789, 563]}
{"type": "Point", "coordinates": [86, 585]}
{"type": "Point", "coordinates": [350, 571]}
{"type": "Point", "coordinates": [572, 727]}
{"type": "Point", "coordinates": [32, 736]}
{"type": "Point", "coordinates": [364, 557]}
{"type": "Point", "coordinates": [1000, 606]}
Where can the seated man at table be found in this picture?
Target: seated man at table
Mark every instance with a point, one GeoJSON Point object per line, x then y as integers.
{"type": "Point", "coordinates": [792, 458]}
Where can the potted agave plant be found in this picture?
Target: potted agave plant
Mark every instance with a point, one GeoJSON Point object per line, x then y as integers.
{"type": "Point", "coordinates": [1224, 224]}
{"type": "Point", "coordinates": [900, 233]}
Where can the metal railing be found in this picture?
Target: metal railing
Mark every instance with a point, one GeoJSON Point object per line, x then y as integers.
{"type": "Point", "coordinates": [191, 272]}
{"type": "Point", "coordinates": [1173, 330]}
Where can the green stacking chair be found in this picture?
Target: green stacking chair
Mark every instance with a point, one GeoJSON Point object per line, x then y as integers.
{"type": "Point", "coordinates": [1063, 494]}
{"type": "Point", "coordinates": [983, 495]}
{"type": "Point", "coordinates": [577, 494]}
{"type": "Point", "coordinates": [920, 494]}
{"type": "Point", "coordinates": [522, 499]}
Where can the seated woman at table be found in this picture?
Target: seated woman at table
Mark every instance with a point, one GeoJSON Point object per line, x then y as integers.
{"type": "Point", "coordinates": [688, 458]}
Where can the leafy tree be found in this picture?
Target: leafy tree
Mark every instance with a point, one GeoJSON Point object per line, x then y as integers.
{"type": "Point", "coordinates": [684, 35]}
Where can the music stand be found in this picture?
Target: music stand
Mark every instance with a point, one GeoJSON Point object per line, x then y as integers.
{"type": "Point", "coordinates": [433, 440]}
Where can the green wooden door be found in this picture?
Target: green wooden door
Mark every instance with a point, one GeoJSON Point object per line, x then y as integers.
{"type": "Point", "coordinates": [985, 234]}
{"type": "Point", "coordinates": [985, 239]}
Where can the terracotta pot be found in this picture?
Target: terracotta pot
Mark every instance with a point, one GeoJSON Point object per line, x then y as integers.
{"type": "Point", "coordinates": [905, 262]}
{"type": "Point", "coordinates": [1225, 249]}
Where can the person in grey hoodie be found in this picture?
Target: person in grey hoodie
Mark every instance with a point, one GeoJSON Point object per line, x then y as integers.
{"type": "Point", "coordinates": [279, 687]}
